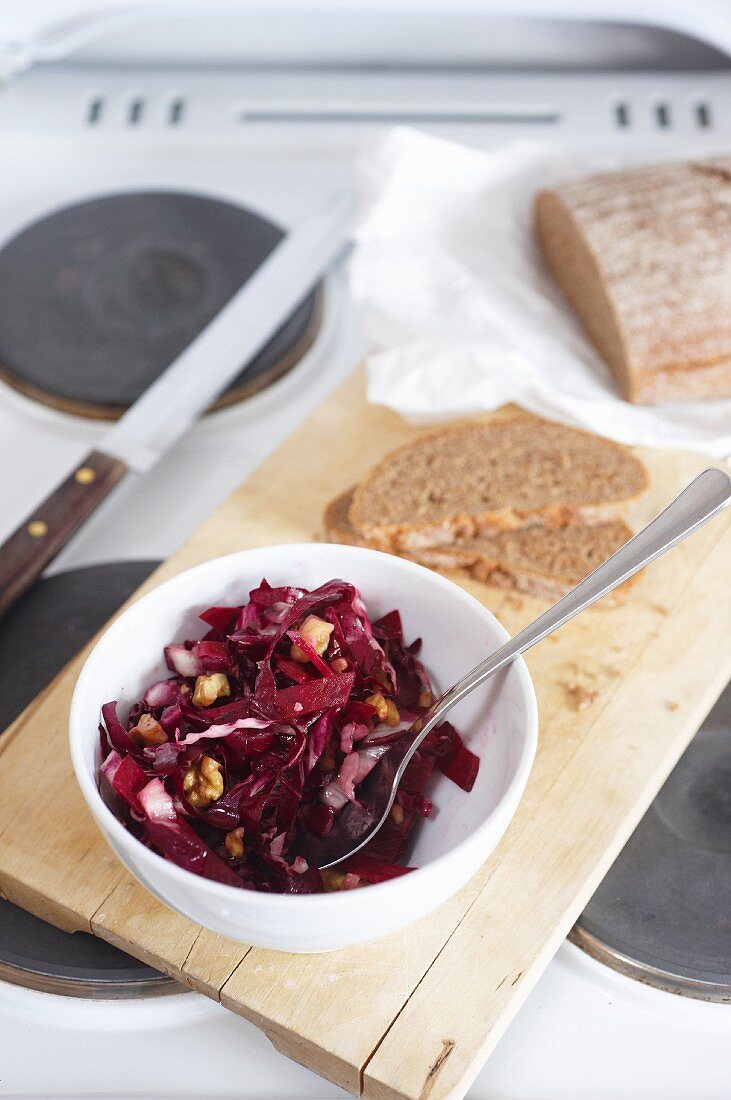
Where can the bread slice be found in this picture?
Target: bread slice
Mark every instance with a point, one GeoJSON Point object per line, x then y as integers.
{"type": "Point", "coordinates": [644, 257]}
{"type": "Point", "coordinates": [482, 477]}
{"type": "Point", "coordinates": [534, 560]}
{"type": "Point", "coordinates": [338, 527]}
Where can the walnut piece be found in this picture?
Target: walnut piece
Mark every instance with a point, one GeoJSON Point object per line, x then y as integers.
{"type": "Point", "coordinates": [379, 702]}
{"type": "Point", "coordinates": [235, 843]}
{"type": "Point", "coordinates": [203, 783]}
{"type": "Point", "coordinates": [148, 731]}
{"type": "Point", "coordinates": [392, 715]}
{"type": "Point", "coordinates": [333, 880]}
{"type": "Point", "coordinates": [315, 631]}
{"type": "Point", "coordinates": [582, 697]}
{"type": "Point", "coordinates": [210, 687]}
{"type": "Point", "coordinates": [338, 880]}
{"type": "Point", "coordinates": [385, 709]}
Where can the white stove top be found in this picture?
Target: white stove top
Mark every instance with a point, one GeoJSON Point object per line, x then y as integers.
{"type": "Point", "coordinates": [584, 1031]}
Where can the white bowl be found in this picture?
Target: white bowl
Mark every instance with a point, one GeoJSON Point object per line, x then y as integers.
{"type": "Point", "coordinates": [498, 721]}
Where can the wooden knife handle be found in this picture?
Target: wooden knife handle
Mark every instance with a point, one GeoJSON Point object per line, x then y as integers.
{"type": "Point", "coordinates": [27, 552]}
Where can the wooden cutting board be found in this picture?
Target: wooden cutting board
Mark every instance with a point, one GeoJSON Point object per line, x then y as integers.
{"type": "Point", "coordinates": [621, 692]}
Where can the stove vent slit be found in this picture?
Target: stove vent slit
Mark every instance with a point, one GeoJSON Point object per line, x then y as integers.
{"type": "Point", "coordinates": [135, 111]}
{"type": "Point", "coordinates": [622, 115]}
{"type": "Point", "coordinates": [94, 109]}
{"type": "Point", "coordinates": [175, 112]}
{"type": "Point", "coordinates": [662, 116]}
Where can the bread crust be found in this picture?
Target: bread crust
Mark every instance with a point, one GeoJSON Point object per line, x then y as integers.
{"type": "Point", "coordinates": [576, 268]}
{"type": "Point", "coordinates": [338, 527]}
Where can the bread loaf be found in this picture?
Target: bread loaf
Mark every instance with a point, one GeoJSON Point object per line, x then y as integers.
{"type": "Point", "coordinates": [482, 477]}
{"type": "Point", "coordinates": [644, 257]}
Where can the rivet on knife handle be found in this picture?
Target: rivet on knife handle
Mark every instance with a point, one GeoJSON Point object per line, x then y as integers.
{"type": "Point", "coordinates": [27, 552]}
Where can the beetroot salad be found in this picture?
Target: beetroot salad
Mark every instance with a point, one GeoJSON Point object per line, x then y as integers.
{"type": "Point", "coordinates": [269, 724]}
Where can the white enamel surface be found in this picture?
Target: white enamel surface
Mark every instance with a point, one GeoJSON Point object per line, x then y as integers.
{"type": "Point", "coordinates": [499, 721]}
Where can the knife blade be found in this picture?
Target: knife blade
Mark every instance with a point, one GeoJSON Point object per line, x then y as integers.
{"type": "Point", "coordinates": [167, 409]}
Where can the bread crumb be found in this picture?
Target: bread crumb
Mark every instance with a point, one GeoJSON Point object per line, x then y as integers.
{"type": "Point", "coordinates": [672, 705]}
{"type": "Point", "coordinates": [658, 608]}
{"type": "Point", "coordinates": [581, 672]}
{"type": "Point", "coordinates": [581, 697]}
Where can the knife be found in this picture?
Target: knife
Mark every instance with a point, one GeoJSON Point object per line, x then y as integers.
{"type": "Point", "coordinates": [166, 410]}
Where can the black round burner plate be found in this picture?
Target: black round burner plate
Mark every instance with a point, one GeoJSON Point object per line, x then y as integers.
{"type": "Point", "coordinates": [663, 912]}
{"type": "Point", "coordinates": [98, 298]}
{"type": "Point", "coordinates": [38, 636]}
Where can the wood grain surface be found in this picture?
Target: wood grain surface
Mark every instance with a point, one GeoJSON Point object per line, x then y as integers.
{"type": "Point", "coordinates": [414, 1015]}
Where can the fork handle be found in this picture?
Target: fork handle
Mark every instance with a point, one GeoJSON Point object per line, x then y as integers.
{"type": "Point", "coordinates": [27, 552]}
